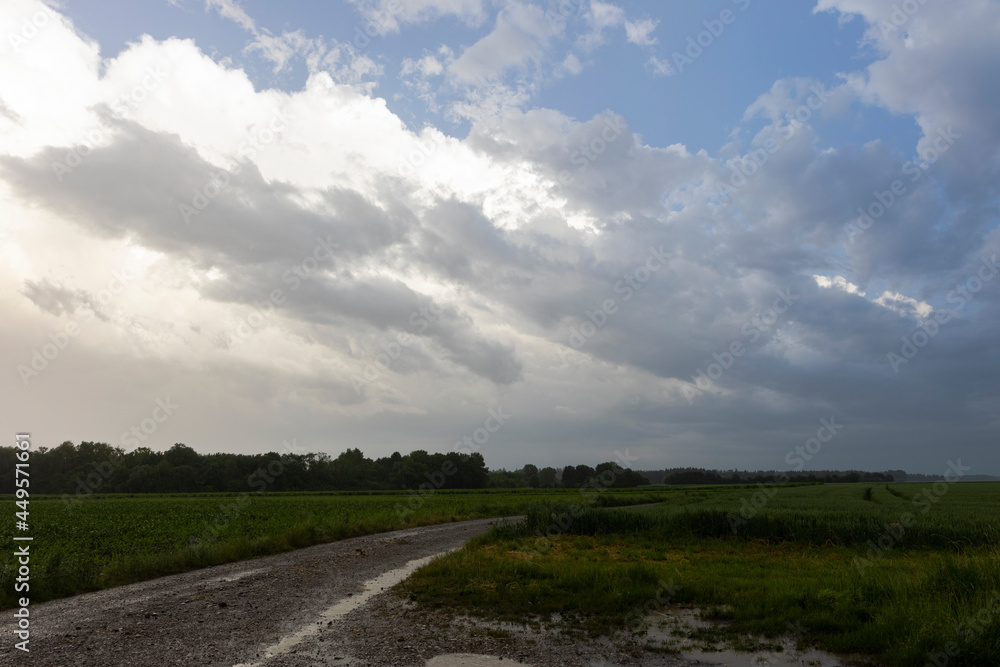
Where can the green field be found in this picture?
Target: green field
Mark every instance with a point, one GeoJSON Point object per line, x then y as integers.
{"type": "Point", "coordinates": [903, 573]}
{"type": "Point", "coordinates": [106, 541]}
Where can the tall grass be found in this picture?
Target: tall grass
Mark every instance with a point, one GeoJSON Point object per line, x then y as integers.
{"type": "Point", "coordinates": [794, 562]}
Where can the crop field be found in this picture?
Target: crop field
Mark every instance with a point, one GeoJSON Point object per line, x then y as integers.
{"type": "Point", "coordinates": [900, 574]}
{"type": "Point", "coordinates": [105, 541]}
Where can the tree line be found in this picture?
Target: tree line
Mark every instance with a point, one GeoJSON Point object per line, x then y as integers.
{"type": "Point", "coordinates": [97, 467]}
{"type": "Point", "coordinates": [703, 476]}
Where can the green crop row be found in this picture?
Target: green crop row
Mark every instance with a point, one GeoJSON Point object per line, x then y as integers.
{"type": "Point", "coordinates": [902, 573]}
{"type": "Point", "coordinates": [104, 541]}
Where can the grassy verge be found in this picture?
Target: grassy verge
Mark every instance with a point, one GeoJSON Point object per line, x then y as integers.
{"type": "Point", "coordinates": [107, 541]}
{"type": "Point", "coordinates": [934, 595]}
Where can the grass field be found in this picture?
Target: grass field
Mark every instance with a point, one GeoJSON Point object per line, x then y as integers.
{"type": "Point", "coordinates": [908, 574]}
{"type": "Point", "coordinates": [105, 541]}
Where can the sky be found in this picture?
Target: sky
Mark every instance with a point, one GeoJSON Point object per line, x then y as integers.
{"type": "Point", "coordinates": [725, 234]}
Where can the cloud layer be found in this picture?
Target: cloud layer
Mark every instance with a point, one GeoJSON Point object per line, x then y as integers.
{"type": "Point", "coordinates": [304, 264]}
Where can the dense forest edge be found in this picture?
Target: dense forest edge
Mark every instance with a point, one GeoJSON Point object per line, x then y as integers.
{"type": "Point", "coordinates": [96, 467]}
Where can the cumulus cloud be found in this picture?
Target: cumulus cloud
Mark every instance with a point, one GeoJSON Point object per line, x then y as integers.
{"type": "Point", "coordinates": [521, 34]}
{"type": "Point", "coordinates": [600, 17]}
{"type": "Point", "coordinates": [640, 32]}
{"type": "Point", "coordinates": [283, 243]}
{"type": "Point", "coordinates": [932, 66]}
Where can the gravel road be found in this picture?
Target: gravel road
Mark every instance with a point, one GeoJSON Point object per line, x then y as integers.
{"type": "Point", "coordinates": [320, 606]}
{"type": "Point", "coordinates": [222, 615]}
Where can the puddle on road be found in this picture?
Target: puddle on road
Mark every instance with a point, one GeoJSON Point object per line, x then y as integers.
{"type": "Point", "coordinates": [673, 629]}
{"type": "Point", "coordinates": [471, 660]}
{"type": "Point", "coordinates": [371, 588]}
{"type": "Point", "coordinates": [789, 657]}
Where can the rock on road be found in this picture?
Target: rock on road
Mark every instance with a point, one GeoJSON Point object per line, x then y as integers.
{"type": "Point", "coordinates": [229, 614]}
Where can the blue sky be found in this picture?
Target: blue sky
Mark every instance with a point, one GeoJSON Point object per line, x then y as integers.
{"type": "Point", "coordinates": [700, 107]}
{"type": "Point", "coordinates": [694, 260]}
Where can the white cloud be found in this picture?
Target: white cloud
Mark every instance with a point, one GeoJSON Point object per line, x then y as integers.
{"type": "Point", "coordinates": [932, 65]}
{"type": "Point", "coordinates": [605, 15]}
{"type": "Point", "coordinates": [600, 17]}
{"type": "Point", "coordinates": [840, 283]}
{"type": "Point", "coordinates": [514, 234]}
{"type": "Point", "coordinates": [521, 34]}
{"type": "Point", "coordinates": [229, 9]}
{"type": "Point", "coordinates": [282, 48]}
{"type": "Point", "coordinates": [341, 61]}
{"type": "Point", "coordinates": [640, 32]}
{"type": "Point", "coordinates": [660, 66]}
{"type": "Point", "coordinates": [898, 303]}
{"type": "Point", "coordinates": [572, 64]}
{"type": "Point", "coordinates": [387, 16]}
{"type": "Point", "coordinates": [426, 66]}
{"type": "Point", "coordinates": [904, 305]}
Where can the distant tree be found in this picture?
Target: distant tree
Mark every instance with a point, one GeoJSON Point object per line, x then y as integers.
{"type": "Point", "coordinates": [547, 477]}
{"type": "Point", "coordinates": [182, 455]}
{"type": "Point", "coordinates": [505, 479]}
{"type": "Point", "coordinates": [99, 467]}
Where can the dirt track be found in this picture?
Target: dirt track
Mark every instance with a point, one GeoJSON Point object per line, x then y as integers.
{"type": "Point", "coordinates": [318, 606]}
{"type": "Point", "coordinates": [221, 615]}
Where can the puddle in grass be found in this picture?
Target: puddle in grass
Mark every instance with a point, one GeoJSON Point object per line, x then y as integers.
{"type": "Point", "coordinates": [673, 629]}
